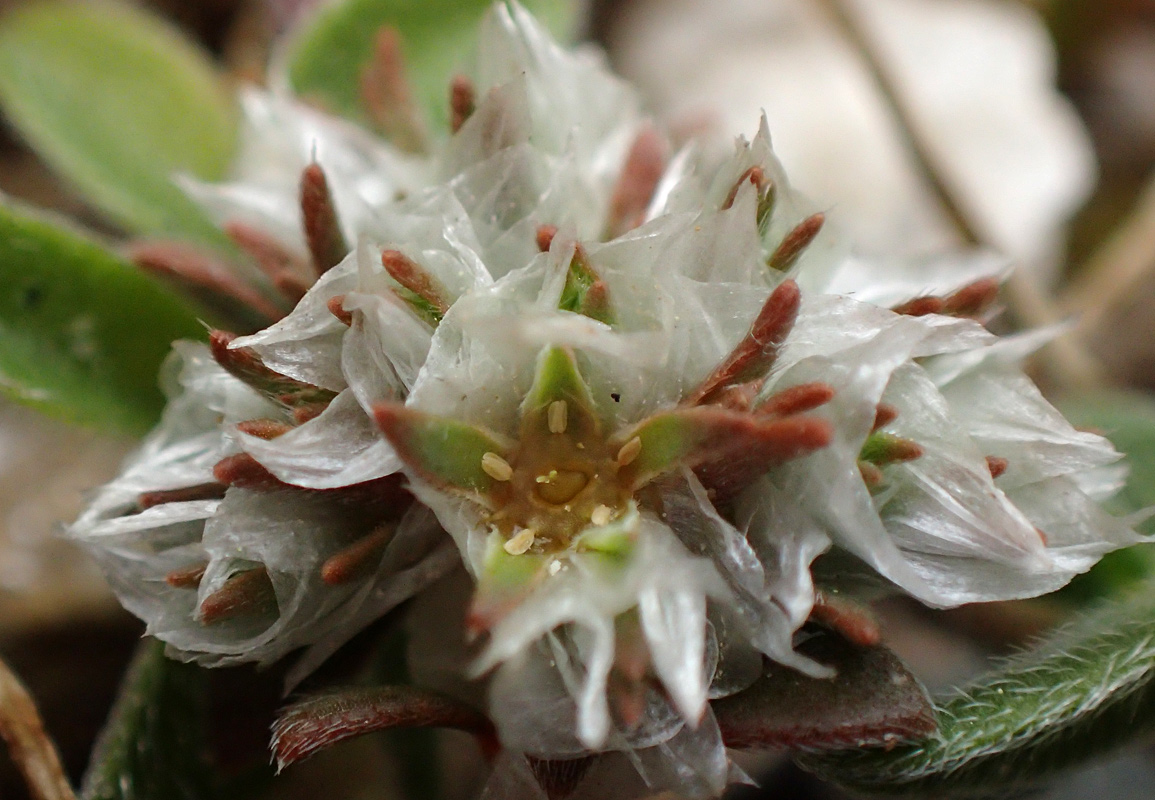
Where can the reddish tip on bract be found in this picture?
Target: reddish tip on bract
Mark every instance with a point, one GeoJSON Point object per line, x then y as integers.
{"type": "Point", "coordinates": [187, 578]}
{"type": "Point", "coordinates": [884, 414]}
{"type": "Point", "coordinates": [387, 95]}
{"type": "Point", "coordinates": [996, 465]}
{"type": "Point", "coordinates": [970, 301]}
{"type": "Point", "coordinates": [795, 243]}
{"type": "Point", "coordinates": [280, 266]}
{"type": "Point", "coordinates": [462, 101]}
{"type": "Point", "coordinates": [415, 278]}
{"type": "Point", "coordinates": [245, 472]}
{"type": "Point", "coordinates": [267, 429]}
{"type": "Point", "coordinates": [754, 175]}
{"type": "Point", "coordinates": [746, 454]}
{"type": "Point", "coordinates": [545, 234]}
{"type": "Point", "coordinates": [639, 177]}
{"type": "Point", "coordinates": [973, 299]}
{"type": "Point", "coordinates": [336, 306]}
{"type": "Point", "coordinates": [358, 559]}
{"type": "Point", "coordinates": [201, 274]}
{"type": "Point", "coordinates": [919, 307]}
{"type": "Point", "coordinates": [753, 357]}
{"type": "Point", "coordinates": [319, 216]}
{"type": "Point", "coordinates": [248, 592]}
{"type": "Point", "coordinates": [852, 620]}
{"type": "Point", "coordinates": [202, 491]}
{"type": "Point", "coordinates": [318, 722]}
{"type": "Point", "coordinates": [797, 399]}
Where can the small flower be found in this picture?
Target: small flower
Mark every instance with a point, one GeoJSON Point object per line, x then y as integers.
{"type": "Point", "coordinates": [272, 430]}
{"type": "Point", "coordinates": [628, 394]}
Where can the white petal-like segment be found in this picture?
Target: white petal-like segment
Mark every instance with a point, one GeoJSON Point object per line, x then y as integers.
{"type": "Point", "coordinates": [306, 344]}
{"type": "Point", "coordinates": [341, 447]}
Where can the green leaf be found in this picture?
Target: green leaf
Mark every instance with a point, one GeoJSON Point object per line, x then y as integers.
{"type": "Point", "coordinates": [117, 102]}
{"type": "Point", "coordinates": [327, 58]}
{"type": "Point", "coordinates": [1128, 420]}
{"type": "Point", "coordinates": [82, 333]}
{"type": "Point", "coordinates": [152, 746]}
{"type": "Point", "coordinates": [1088, 689]}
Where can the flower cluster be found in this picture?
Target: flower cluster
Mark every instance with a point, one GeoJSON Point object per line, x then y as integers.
{"type": "Point", "coordinates": [650, 403]}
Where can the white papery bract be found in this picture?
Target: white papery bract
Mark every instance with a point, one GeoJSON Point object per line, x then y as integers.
{"type": "Point", "coordinates": [646, 449]}
{"type": "Point", "coordinates": [466, 204]}
{"type": "Point", "coordinates": [977, 79]}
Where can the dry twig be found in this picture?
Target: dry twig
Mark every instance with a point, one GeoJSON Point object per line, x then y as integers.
{"type": "Point", "coordinates": [31, 749]}
{"type": "Point", "coordinates": [1067, 361]}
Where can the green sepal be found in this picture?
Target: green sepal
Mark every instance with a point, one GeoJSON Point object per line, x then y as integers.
{"type": "Point", "coordinates": [446, 452]}
{"type": "Point", "coordinates": [429, 313]}
{"type": "Point", "coordinates": [505, 572]}
{"type": "Point", "coordinates": [683, 437]}
{"type": "Point", "coordinates": [886, 448]}
{"type": "Point", "coordinates": [84, 332]}
{"type": "Point", "coordinates": [557, 377]}
{"type": "Point", "coordinates": [614, 541]}
{"type": "Point", "coordinates": [118, 101]}
{"type": "Point", "coordinates": [584, 291]}
{"type": "Point", "coordinates": [504, 581]}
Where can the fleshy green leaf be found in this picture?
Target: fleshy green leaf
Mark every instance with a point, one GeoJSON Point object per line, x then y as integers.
{"type": "Point", "coordinates": [328, 56]}
{"type": "Point", "coordinates": [1087, 689]}
{"type": "Point", "coordinates": [117, 102]}
{"type": "Point", "coordinates": [82, 332]}
{"type": "Point", "coordinates": [152, 746]}
{"type": "Point", "coordinates": [873, 701]}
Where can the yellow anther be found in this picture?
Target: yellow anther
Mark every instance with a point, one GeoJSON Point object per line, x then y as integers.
{"type": "Point", "coordinates": [496, 467]}
{"type": "Point", "coordinates": [630, 451]}
{"type": "Point", "coordinates": [601, 515]}
{"type": "Point", "coordinates": [558, 416]}
{"type": "Point", "coordinates": [520, 542]}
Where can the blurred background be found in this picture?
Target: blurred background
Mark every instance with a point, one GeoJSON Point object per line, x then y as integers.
{"type": "Point", "coordinates": [1038, 119]}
